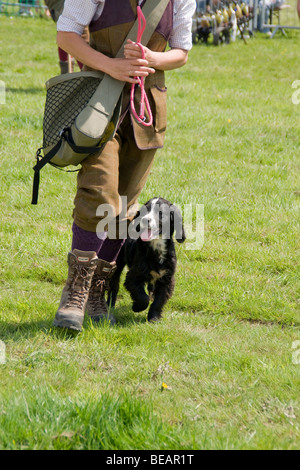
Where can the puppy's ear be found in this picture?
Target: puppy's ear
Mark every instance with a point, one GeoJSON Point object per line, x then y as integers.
{"type": "Point", "coordinates": [177, 224]}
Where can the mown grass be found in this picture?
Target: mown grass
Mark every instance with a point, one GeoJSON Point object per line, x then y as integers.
{"type": "Point", "coordinates": [224, 347]}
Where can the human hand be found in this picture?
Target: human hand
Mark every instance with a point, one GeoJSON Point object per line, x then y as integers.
{"type": "Point", "coordinates": [128, 68]}
{"type": "Point", "coordinates": [133, 51]}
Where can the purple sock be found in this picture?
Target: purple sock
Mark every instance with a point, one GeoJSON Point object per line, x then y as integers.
{"type": "Point", "coordinates": [86, 241]}
{"type": "Point", "coordinates": [110, 249]}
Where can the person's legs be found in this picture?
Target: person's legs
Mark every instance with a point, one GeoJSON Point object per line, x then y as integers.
{"type": "Point", "coordinates": [97, 184]}
{"type": "Point", "coordinates": [110, 249]}
{"type": "Point", "coordinates": [63, 61]}
{"type": "Point", "coordinates": [120, 169]}
{"type": "Point", "coordinates": [86, 241]}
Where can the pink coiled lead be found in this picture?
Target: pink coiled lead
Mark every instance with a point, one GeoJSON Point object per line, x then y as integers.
{"type": "Point", "coordinates": [141, 80]}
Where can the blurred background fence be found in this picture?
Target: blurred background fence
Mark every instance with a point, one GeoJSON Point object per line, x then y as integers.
{"type": "Point", "coordinates": [224, 21]}
{"type": "Point", "coordinates": [23, 8]}
{"type": "Point", "coordinates": [278, 15]}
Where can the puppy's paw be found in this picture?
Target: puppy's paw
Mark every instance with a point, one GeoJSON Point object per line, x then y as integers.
{"type": "Point", "coordinates": [141, 305]}
{"type": "Point", "coordinates": [154, 316]}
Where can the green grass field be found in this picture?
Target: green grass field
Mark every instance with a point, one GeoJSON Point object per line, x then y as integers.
{"type": "Point", "coordinates": [225, 345]}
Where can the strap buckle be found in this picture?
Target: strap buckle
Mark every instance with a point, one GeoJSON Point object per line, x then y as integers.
{"type": "Point", "coordinates": [38, 155]}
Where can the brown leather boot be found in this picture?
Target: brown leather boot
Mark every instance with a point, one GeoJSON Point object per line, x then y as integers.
{"type": "Point", "coordinates": [97, 306]}
{"type": "Point", "coordinates": [70, 314]}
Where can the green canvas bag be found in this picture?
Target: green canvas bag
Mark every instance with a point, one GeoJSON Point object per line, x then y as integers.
{"type": "Point", "coordinates": [82, 109]}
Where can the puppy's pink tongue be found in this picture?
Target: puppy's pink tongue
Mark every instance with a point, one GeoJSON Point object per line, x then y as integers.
{"type": "Point", "coordinates": [146, 236]}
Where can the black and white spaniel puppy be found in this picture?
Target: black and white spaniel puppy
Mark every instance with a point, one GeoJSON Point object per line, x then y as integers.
{"type": "Point", "coordinates": [150, 255]}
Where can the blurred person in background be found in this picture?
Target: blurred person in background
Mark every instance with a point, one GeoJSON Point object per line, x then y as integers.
{"type": "Point", "coordinates": [26, 5]}
{"type": "Point", "coordinates": [66, 64]}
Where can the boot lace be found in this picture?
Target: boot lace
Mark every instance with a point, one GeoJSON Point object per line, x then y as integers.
{"type": "Point", "coordinates": [97, 295]}
{"type": "Point", "coordinates": [79, 287]}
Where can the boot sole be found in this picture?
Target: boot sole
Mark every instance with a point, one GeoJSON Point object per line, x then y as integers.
{"type": "Point", "coordinates": [64, 323]}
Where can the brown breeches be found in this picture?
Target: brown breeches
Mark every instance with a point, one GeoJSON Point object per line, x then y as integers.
{"type": "Point", "coordinates": [120, 170]}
